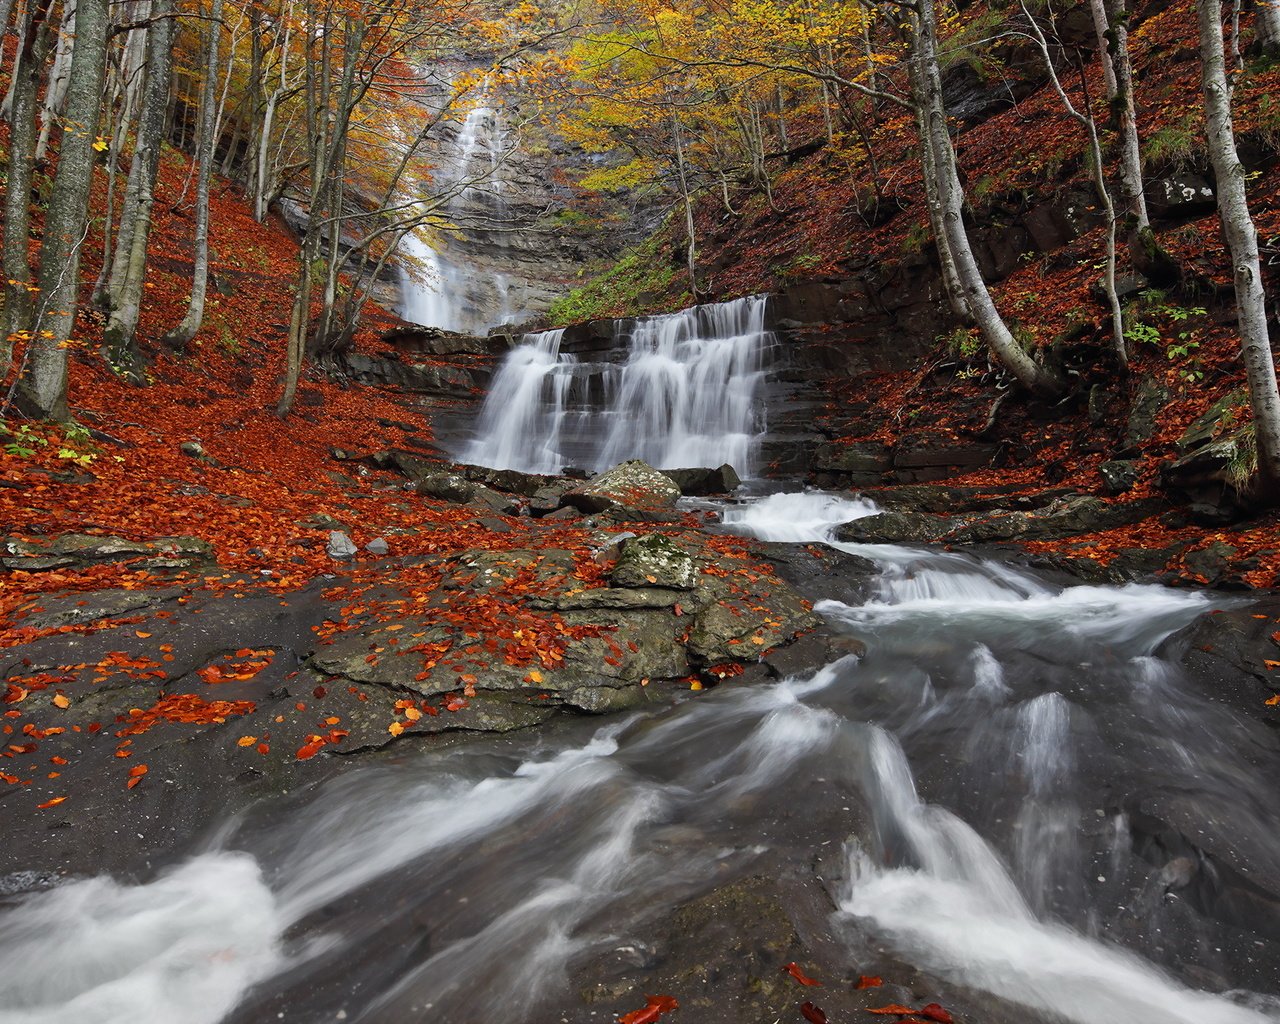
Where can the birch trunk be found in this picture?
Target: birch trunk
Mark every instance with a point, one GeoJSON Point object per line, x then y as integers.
{"type": "Point", "coordinates": [185, 331]}
{"type": "Point", "coordinates": [126, 299]}
{"type": "Point", "coordinates": [1242, 242]}
{"type": "Point", "coordinates": [995, 332]}
{"type": "Point", "coordinates": [1102, 29]}
{"type": "Point", "coordinates": [56, 91]}
{"type": "Point", "coordinates": [44, 387]}
{"type": "Point", "coordinates": [1131, 190]}
{"type": "Point", "coordinates": [1266, 26]}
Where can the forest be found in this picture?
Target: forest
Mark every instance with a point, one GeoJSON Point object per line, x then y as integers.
{"type": "Point", "coordinates": [639, 509]}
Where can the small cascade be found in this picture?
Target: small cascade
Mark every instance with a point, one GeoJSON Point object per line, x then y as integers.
{"type": "Point", "coordinates": [685, 392]}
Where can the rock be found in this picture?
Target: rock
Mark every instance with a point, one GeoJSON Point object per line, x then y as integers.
{"type": "Point", "coordinates": [1144, 413]}
{"type": "Point", "coordinates": [1061, 519]}
{"type": "Point", "coordinates": [193, 448]}
{"type": "Point", "coordinates": [723, 480]}
{"type": "Point", "coordinates": [1212, 562]}
{"type": "Point", "coordinates": [629, 487]}
{"type": "Point", "coordinates": [1212, 477]}
{"type": "Point", "coordinates": [377, 546]}
{"type": "Point", "coordinates": [1181, 195]}
{"type": "Point", "coordinates": [1215, 422]}
{"type": "Point", "coordinates": [1118, 475]}
{"type": "Point", "coordinates": [864, 459]}
{"type": "Point", "coordinates": [512, 481]}
{"type": "Point", "coordinates": [340, 546]}
{"type": "Point", "coordinates": [655, 561]}
{"type": "Point", "coordinates": [896, 528]}
{"type": "Point", "coordinates": [923, 459]}
{"type": "Point", "coordinates": [76, 550]}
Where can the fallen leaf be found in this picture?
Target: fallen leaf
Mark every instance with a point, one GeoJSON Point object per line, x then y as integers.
{"type": "Point", "coordinates": [1272, 701]}
{"type": "Point", "coordinates": [933, 1011]}
{"type": "Point", "coordinates": [61, 701]}
{"type": "Point", "coordinates": [308, 751]}
{"type": "Point", "coordinates": [894, 1010]}
{"type": "Point", "coordinates": [655, 1007]}
{"type": "Point", "coordinates": [813, 1013]}
{"type": "Point", "coordinates": [395, 728]}
{"type": "Point", "coordinates": [246, 741]}
{"type": "Point", "coordinates": [141, 635]}
{"type": "Point", "coordinates": [58, 799]}
{"type": "Point", "coordinates": [869, 981]}
{"type": "Point", "coordinates": [138, 770]}
{"type": "Point", "coordinates": [794, 970]}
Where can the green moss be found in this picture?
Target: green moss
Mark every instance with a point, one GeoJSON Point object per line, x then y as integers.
{"type": "Point", "coordinates": [638, 279]}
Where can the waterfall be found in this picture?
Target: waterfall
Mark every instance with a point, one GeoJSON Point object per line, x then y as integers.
{"type": "Point", "coordinates": [451, 290]}
{"type": "Point", "coordinates": [687, 393]}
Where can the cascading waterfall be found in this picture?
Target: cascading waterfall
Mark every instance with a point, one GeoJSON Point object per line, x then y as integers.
{"type": "Point", "coordinates": [450, 292]}
{"type": "Point", "coordinates": [467, 883]}
{"type": "Point", "coordinates": [687, 393]}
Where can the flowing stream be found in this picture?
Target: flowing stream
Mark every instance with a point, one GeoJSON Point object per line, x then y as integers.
{"type": "Point", "coordinates": [979, 791]}
{"type": "Point", "coordinates": [679, 390]}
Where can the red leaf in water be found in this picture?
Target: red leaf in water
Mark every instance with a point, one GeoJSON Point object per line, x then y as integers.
{"type": "Point", "coordinates": [813, 1013]}
{"type": "Point", "coordinates": [893, 1009]}
{"type": "Point", "coordinates": [793, 969]}
{"type": "Point", "coordinates": [655, 1007]}
{"type": "Point", "coordinates": [935, 1012]}
{"type": "Point", "coordinates": [869, 981]}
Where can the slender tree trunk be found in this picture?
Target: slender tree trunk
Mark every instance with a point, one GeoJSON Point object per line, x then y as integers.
{"type": "Point", "coordinates": [44, 387]}
{"type": "Point", "coordinates": [1131, 191]}
{"type": "Point", "coordinates": [1266, 26]}
{"type": "Point", "coordinates": [691, 250]}
{"type": "Point", "coordinates": [56, 91]}
{"type": "Point", "coordinates": [1242, 242]}
{"type": "Point", "coordinates": [180, 335]}
{"type": "Point", "coordinates": [1003, 345]}
{"type": "Point", "coordinates": [126, 300]}
{"type": "Point", "coordinates": [28, 70]}
{"type": "Point", "coordinates": [1102, 28]}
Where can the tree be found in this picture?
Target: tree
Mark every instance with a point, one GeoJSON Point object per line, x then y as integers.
{"type": "Point", "coordinates": [1242, 243]}
{"type": "Point", "coordinates": [44, 386]}
{"type": "Point", "coordinates": [206, 151]}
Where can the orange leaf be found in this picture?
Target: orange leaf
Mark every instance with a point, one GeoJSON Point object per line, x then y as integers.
{"type": "Point", "coordinates": [534, 676]}
{"type": "Point", "coordinates": [133, 782]}
{"type": "Point", "coordinates": [935, 1012]}
{"type": "Point", "coordinates": [61, 701]}
{"type": "Point", "coordinates": [869, 981]}
{"type": "Point", "coordinates": [50, 803]}
{"type": "Point", "coordinates": [793, 969]}
{"type": "Point", "coordinates": [1272, 701]}
{"type": "Point", "coordinates": [246, 741]}
{"type": "Point", "coordinates": [140, 634]}
{"type": "Point", "coordinates": [263, 749]}
{"type": "Point", "coordinates": [894, 1010]}
{"type": "Point", "coordinates": [308, 751]}
{"type": "Point", "coordinates": [655, 1007]}
{"type": "Point", "coordinates": [137, 770]}
{"type": "Point", "coordinates": [395, 728]}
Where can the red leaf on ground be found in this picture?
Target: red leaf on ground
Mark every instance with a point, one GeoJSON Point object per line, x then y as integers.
{"type": "Point", "coordinates": [813, 1013]}
{"type": "Point", "coordinates": [308, 751]}
{"type": "Point", "coordinates": [936, 1012]}
{"type": "Point", "coordinates": [655, 1007]}
{"type": "Point", "coordinates": [793, 969]}
{"type": "Point", "coordinates": [869, 981]}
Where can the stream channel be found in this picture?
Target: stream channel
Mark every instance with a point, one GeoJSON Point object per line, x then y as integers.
{"type": "Point", "coordinates": [984, 800]}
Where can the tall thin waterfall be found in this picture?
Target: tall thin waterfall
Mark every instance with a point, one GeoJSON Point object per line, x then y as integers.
{"type": "Point", "coordinates": [685, 391]}
{"type": "Point", "coordinates": [450, 292]}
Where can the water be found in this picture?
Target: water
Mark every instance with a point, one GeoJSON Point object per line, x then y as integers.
{"type": "Point", "coordinates": [451, 286]}
{"type": "Point", "coordinates": [996, 783]}
{"type": "Point", "coordinates": [686, 393]}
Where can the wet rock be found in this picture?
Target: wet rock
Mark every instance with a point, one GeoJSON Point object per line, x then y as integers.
{"type": "Point", "coordinates": [629, 487]}
{"type": "Point", "coordinates": [896, 528]}
{"type": "Point", "coordinates": [924, 459]}
{"type": "Point", "coordinates": [1212, 477]}
{"type": "Point", "coordinates": [729, 629]}
{"type": "Point", "coordinates": [1119, 475]}
{"type": "Point", "coordinates": [512, 481]}
{"type": "Point", "coordinates": [722, 480]}
{"type": "Point", "coordinates": [74, 550]}
{"type": "Point", "coordinates": [443, 483]}
{"type": "Point", "coordinates": [1059, 520]}
{"type": "Point", "coordinates": [1214, 562]}
{"type": "Point", "coordinates": [377, 546]}
{"type": "Point", "coordinates": [340, 546]}
{"type": "Point", "coordinates": [655, 561]}
{"type": "Point", "coordinates": [867, 460]}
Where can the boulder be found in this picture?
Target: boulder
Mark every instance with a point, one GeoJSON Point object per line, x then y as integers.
{"type": "Point", "coordinates": [722, 480]}
{"type": "Point", "coordinates": [340, 546]}
{"type": "Point", "coordinates": [631, 486]}
{"type": "Point", "coordinates": [868, 459]}
{"type": "Point", "coordinates": [656, 562]}
{"type": "Point", "coordinates": [897, 528]}
{"type": "Point", "coordinates": [1118, 475]}
{"type": "Point", "coordinates": [1181, 195]}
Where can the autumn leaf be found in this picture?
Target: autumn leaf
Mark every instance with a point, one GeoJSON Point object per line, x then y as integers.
{"type": "Point", "coordinates": [395, 728]}
{"type": "Point", "coordinates": [138, 770]}
{"type": "Point", "coordinates": [933, 1011]}
{"type": "Point", "coordinates": [246, 741]}
{"type": "Point", "coordinates": [813, 1013]}
{"type": "Point", "coordinates": [59, 799]}
{"type": "Point", "coordinates": [655, 1007]}
{"type": "Point", "coordinates": [1272, 701]}
{"type": "Point", "coordinates": [794, 970]}
{"type": "Point", "coordinates": [61, 701]}
{"type": "Point", "coordinates": [869, 981]}
{"type": "Point", "coordinates": [308, 751]}
{"type": "Point", "coordinates": [893, 1010]}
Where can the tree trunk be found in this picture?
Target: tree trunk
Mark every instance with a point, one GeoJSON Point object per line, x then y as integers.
{"type": "Point", "coordinates": [56, 91]}
{"type": "Point", "coordinates": [1131, 191]}
{"type": "Point", "coordinates": [28, 70]}
{"type": "Point", "coordinates": [691, 250]}
{"type": "Point", "coordinates": [1003, 345]}
{"type": "Point", "coordinates": [1102, 29]}
{"type": "Point", "coordinates": [1266, 27]}
{"type": "Point", "coordinates": [126, 299]}
{"type": "Point", "coordinates": [44, 387]}
{"type": "Point", "coordinates": [180, 335]}
{"type": "Point", "coordinates": [1242, 242]}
